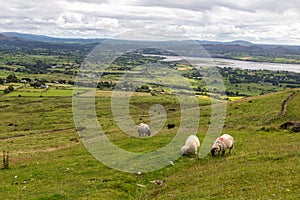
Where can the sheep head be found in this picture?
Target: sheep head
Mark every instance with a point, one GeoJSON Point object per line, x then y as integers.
{"type": "Point", "coordinates": [184, 150]}
{"type": "Point", "coordinates": [214, 151]}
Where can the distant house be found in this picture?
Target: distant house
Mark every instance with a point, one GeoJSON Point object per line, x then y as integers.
{"type": "Point", "coordinates": [44, 86]}
{"type": "Point", "coordinates": [25, 80]}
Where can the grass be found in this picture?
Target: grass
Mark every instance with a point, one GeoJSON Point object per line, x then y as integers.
{"type": "Point", "coordinates": [253, 89]}
{"type": "Point", "coordinates": [41, 92]}
{"type": "Point", "coordinates": [255, 110]}
{"type": "Point", "coordinates": [48, 161]}
{"type": "Point", "coordinates": [101, 93]}
{"type": "Point", "coordinates": [35, 113]}
{"type": "Point", "coordinates": [54, 90]}
{"type": "Point", "coordinates": [234, 98]}
{"type": "Point", "coordinates": [49, 76]}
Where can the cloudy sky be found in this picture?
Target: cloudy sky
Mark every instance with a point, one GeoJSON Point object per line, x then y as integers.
{"type": "Point", "coordinates": [258, 21]}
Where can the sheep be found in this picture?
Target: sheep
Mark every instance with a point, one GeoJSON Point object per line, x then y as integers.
{"type": "Point", "coordinates": [143, 130]}
{"type": "Point", "coordinates": [191, 145]}
{"type": "Point", "coordinates": [222, 143]}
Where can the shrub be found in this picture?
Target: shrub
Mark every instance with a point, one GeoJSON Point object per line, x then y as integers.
{"type": "Point", "coordinates": [9, 89]}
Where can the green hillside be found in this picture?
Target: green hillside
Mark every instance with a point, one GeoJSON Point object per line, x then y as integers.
{"type": "Point", "coordinates": [48, 161]}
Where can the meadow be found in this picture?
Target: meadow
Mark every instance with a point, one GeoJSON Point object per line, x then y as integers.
{"type": "Point", "coordinates": [47, 159]}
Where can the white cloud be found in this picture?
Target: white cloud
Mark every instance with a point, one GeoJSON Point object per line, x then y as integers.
{"type": "Point", "coordinates": [253, 20]}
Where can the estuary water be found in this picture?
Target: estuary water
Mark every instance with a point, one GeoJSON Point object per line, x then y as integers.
{"type": "Point", "coordinates": [220, 62]}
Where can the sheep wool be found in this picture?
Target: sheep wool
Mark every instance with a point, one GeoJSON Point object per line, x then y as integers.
{"type": "Point", "coordinates": [222, 143]}
{"type": "Point", "coordinates": [191, 145]}
{"type": "Point", "coordinates": [143, 130]}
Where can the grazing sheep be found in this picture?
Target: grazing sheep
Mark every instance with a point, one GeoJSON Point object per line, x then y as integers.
{"type": "Point", "coordinates": [222, 143]}
{"type": "Point", "coordinates": [143, 130]}
{"type": "Point", "coordinates": [191, 145]}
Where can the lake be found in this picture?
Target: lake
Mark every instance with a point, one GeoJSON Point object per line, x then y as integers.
{"type": "Point", "coordinates": [236, 63]}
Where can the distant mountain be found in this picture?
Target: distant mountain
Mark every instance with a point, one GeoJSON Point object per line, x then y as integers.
{"type": "Point", "coordinates": [13, 41]}
{"type": "Point", "coordinates": [204, 42]}
{"type": "Point", "coordinates": [42, 38]}
{"type": "Point", "coordinates": [236, 42]}
{"type": "Point", "coordinates": [3, 37]}
{"type": "Point", "coordinates": [241, 43]}
{"type": "Point", "coordinates": [12, 44]}
{"type": "Point", "coordinates": [238, 47]}
{"type": "Point", "coordinates": [8, 38]}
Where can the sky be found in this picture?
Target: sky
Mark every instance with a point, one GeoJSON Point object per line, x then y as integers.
{"type": "Point", "coordinates": [257, 21]}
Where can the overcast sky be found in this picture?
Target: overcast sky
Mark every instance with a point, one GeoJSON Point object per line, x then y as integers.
{"type": "Point", "coordinates": [258, 21]}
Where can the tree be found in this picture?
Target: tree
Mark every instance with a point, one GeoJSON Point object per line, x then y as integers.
{"type": "Point", "coordinates": [12, 78]}
{"type": "Point", "coordinates": [143, 88]}
{"type": "Point", "coordinates": [9, 89]}
{"type": "Point", "coordinates": [36, 83]}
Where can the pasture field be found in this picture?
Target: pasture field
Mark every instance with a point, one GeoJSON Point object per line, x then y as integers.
{"type": "Point", "coordinates": [2, 87]}
{"type": "Point", "coordinates": [52, 90]}
{"type": "Point", "coordinates": [32, 92]}
{"type": "Point", "coordinates": [254, 89]}
{"type": "Point", "coordinates": [49, 161]}
{"type": "Point", "coordinates": [49, 76]}
{"type": "Point", "coordinates": [101, 93]}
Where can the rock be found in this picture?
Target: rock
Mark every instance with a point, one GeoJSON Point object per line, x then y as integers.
{"type": "Point", "coordinates": [295, 129]}
{"type": "Point", "coordinates": [158, 182]}
{"type": "Point", "coordinates": [140, 185]}
{"type": "Point", "coordinates": [171, 163]}
{"type": "Point", "coordinates": [286, 125]}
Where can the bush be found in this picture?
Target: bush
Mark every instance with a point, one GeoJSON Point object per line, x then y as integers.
{"type": "Point", "coordinates": [143, 88]}
{"type": "Point", "coordinates": [9, 89]}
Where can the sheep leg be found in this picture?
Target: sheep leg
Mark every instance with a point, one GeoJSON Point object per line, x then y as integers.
{"type": "Point", "coordinates": [230, 148]}
{"type": "Point", "coordinates": [223, 152]}
{"type": "Point", "coordinates": [140, 134]}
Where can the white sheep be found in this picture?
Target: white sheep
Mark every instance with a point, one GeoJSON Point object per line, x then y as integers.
{"type": "Point", "coordinates": [191, 145]}
{"type": "Point", "coordinates": [222, 143]}
{"type": "Point", "coordinates": [143, 130]}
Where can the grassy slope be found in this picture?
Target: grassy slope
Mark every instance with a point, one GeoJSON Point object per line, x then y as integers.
{"type": "Point", "coordinates": [49, 162]}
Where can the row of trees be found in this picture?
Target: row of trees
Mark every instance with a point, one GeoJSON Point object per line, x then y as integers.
{"type": "Point", "coordinates": [34, 83]}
